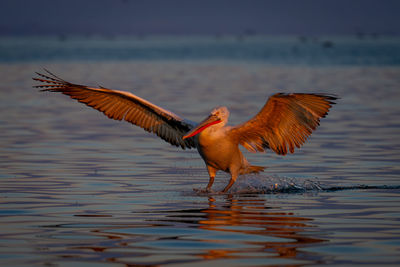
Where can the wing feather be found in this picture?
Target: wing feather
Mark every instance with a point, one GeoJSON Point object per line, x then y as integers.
{"type": "Point", "coordinates": [284, 123]}
{"type": "Point", "coordinates": [120, 105]}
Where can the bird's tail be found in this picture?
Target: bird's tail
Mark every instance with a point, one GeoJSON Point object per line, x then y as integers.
{"type": "Point", "coordinates": [252, 169]}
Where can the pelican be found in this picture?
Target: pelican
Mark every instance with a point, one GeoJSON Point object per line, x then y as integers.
{"type": "Point", "coordinates": [283, 124]}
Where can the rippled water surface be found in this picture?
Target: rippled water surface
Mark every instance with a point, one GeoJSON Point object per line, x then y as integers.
{"type": "Point", "coordinates": [77, 189]}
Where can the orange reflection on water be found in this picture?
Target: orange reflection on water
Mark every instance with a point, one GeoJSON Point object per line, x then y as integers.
{"type": "Point", "coordinates": [282, 233]}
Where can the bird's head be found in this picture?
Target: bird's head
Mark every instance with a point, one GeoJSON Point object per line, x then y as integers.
{"type": "Point", "coordinates": [217, 118]}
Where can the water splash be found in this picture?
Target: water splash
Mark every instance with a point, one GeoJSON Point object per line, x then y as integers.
{"type": "Point", "coordinates": [264, 184]}
{"type": "Point", "coordinates": [270, 184]}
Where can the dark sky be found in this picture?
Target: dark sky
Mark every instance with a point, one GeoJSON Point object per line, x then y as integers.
{"type": "Point", "coordinates": [113, 17]}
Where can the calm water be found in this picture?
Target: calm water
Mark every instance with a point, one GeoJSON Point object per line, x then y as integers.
{"type": "Point", "coordinates": [78, 189]}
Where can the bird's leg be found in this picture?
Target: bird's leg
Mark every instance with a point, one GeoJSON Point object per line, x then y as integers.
{"type": "Point", "coordinates": [210, 183]}
{"type": "Point", "coordinates": [231, 182]}
{"type": "Point", "coordinates": [211, 172]}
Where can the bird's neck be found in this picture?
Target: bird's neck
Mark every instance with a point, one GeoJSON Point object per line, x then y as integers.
{"type": "Point", "coordinates": [213, 131]}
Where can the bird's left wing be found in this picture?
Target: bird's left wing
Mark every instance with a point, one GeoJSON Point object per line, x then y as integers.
{"type": "Point", "coordinates": [285, 122]}
{"type": "Point", "coordinates": [120, 105]}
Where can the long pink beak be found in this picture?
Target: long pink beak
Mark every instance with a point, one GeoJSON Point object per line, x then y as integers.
{"type": "Point", "coordinates": [210, 120]}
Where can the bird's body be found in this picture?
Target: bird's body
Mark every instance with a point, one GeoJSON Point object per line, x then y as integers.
{"type": "Point", "coordinates": [285, 121]}
{"type": "Point", "coordinates": [217, 150]}
{"type": "Point", "coordinates": [220, 151]}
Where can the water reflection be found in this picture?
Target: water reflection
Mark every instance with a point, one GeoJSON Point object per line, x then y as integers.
{"type": "Point", "coordinates": [256, 230]}
{"type": "Point", "coordinates": [232, 230]}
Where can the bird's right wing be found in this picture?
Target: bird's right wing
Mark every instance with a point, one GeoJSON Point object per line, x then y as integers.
{"type": "Point", "coordinates": [120, 105]}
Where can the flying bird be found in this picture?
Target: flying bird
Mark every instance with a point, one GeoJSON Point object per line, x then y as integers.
{"type": "Point", "coordinates": [283, 124]}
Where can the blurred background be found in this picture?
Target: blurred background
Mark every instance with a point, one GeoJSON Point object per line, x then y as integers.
{"type": "Point", "coordinates": [269, 31]}
{"type": "Point", "coordinates": [179, 17]}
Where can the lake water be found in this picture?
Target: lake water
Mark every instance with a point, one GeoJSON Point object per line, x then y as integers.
{"type": "Point", "coordinates": [78, 189]}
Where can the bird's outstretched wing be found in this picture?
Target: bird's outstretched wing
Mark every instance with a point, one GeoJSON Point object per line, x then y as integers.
{"type": "Point", "coordinates": [120, 105]}
{"type": "Point", "coordinates": [285, 122]}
